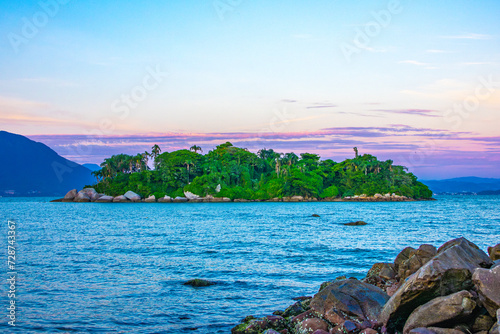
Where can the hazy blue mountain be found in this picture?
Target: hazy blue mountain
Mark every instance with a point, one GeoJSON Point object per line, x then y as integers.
{"type": "Point", "coordinates": [92, 167]}
{"type": "Point", "coordinates": [463, 184]}
{"type": "Point", "coordinates": [30, 168]}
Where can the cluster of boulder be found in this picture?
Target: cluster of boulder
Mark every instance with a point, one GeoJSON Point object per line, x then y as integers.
{"type": "Point", "coordinates": [451, 290]}
{"type": "Point", "coordinates": [91, 195]}
{"type": "Point", "coordinates": [378, 198]}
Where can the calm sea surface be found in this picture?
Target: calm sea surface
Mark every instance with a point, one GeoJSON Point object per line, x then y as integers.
{"type": "Point", "coordinates": [119, 268]}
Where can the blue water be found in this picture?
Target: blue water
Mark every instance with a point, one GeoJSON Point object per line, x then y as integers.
{"type": "Point", "coordinates": [119, 268]}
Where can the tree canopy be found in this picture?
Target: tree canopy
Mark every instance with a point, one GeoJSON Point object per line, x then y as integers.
{"type": "Point", "coordinates": [246, 175]}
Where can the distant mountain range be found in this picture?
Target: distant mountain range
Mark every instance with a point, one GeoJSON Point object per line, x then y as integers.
{"type": "Point", "coordinates": [471, 184]}
{"type": "Point", "coordinates": [30, 168]}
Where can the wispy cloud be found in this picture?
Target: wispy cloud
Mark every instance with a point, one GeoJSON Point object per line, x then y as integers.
{"type": "Point", "coordinates": [469, 36]}
{"type": "Point", "coordinates": [415, 112]}
{"type": "Point", "coordinates": [413, 62]}
{"type": "Point", "coordinates": [322, 105]}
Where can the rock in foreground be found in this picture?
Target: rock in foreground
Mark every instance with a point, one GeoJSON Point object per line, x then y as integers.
{"type": "Point", "coordinates": [445, 291]}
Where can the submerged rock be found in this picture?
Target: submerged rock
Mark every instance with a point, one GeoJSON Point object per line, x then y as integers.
{"type": "Point", "coordinates": [358, 223]}
{"type": "Point", "coordinates": [198, 283]}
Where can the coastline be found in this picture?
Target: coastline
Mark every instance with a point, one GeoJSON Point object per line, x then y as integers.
{"type": "Point", "coordinates": [90, 195]}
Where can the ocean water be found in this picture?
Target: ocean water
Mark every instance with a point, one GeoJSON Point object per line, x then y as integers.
{"type": "Point", "coordinates": [119, 268]}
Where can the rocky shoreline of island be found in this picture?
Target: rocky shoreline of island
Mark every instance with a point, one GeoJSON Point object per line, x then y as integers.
{"type": "Point", "coordinates": [453, 289]}
{"type": "Point", "coordinates": [91, 195]}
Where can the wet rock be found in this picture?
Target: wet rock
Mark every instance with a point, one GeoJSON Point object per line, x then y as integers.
{"type": "Point", "coordinates": [380, 272]}
{"type": "Point", "coordinates": [257, 326]}
{"type": "Point", "coordinates": [105, 199]}
{"type": "Point", "coordinates": [320, 331]}
{"type": "Point", "coordinates": [494, 252]}
{"type": "Point", "coordinates": [416, 260]}
{"type": "Point", "coordinates": [356, 299]}
{"type": "Point", "coordinates": [357, 223]}
{"type": "Point", "coordinates": [315, 215]}
{"type": "Point", "coordinates": [442, 309]}
{"type": "Point", "coordinates": [81, 197]}
{"type": "Point", "coordinates": [120, 199]}
{"type": "Point", "coordinates": [482, 322]}
{"type": "Point", "coordinates": [132, 196]}
{"type": "Point", "coordinates": [198, 283]}
{"type": "Point", "coordinates": [435, 330]}
{"type": "Point", "coordinates": [487, 285]}
{"type": "Point", "coordinates": [311, 325]}
{"type": "Point", "coordinates": [70, 195]}
{"type": "Point", "coordinates": [368, 331]}
{"type": "Point", "coordinates": [150, 199]}
{"type": "Point", "coordinates": [448, 272]}
{"type": "Point", "coordinates": [296, 309]}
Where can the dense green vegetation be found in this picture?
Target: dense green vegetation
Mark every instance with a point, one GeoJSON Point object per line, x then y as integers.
{"type": "Point", "coordinates": [243, 174]}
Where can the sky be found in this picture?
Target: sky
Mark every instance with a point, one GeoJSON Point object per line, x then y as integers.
{"type": "Point", "coordinates": [417, 82]}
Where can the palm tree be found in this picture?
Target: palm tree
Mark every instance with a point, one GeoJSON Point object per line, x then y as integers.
{"type": "Point", "coordinates": [195, 149]}
{"type": "Point", "coordinates": [356, 152]}
{"type": "Point", "coordinates": [188, 163]}
{"type": "Point", "coordinates": [155, 151]}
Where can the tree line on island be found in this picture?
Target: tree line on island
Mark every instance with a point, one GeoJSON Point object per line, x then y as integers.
{"type": "Point", "coordinates": [237, 173]}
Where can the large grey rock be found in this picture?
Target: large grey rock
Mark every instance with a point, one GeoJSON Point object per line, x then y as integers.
{"type": "Point", "coordinates": [189, 195]}
{"type": "Point", "coordinates": [487, 284]}
{"type": "Point", "coordinates": [448, 272]}
{"type": "Point", "coordinates": [91, 193]}
{"type": "Point", "coordinates": [166, 199]}
{"type": "Point", "coordinates": [150, 199]}
{"type": "Point", "coordinates": [120, 199]}
{"type": "Point", "coordinates": [179, 199]}
{"type": "Point", "coordinates": [81, 197]}
{"type": "Point", "coordinates": [354, 298]}
{"type": "Point", "coordinates": [70, 195]}
{"type": "Point", "coordinates": [441, 309]}
{"type": "Point", "coordinates": [105, 199]}
{"type": "Point", "coordinates": [132, 196]}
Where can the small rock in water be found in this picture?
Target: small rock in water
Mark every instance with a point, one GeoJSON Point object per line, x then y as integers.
{"type": "Point", "coordinates": [358, 223]}
{"type": "Point", "coordinates": [198, 282]}
{"type": "Point", "coordinates": [315, 215]}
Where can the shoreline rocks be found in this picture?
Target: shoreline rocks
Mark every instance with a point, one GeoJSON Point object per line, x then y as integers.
{"type": "Point", "coordinates": [90, 195]}
{"type": "Point", "coordinates": [450, 290]}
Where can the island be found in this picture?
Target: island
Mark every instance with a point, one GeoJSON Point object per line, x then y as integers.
{"type": "Point", "coordinates": [230, 173]}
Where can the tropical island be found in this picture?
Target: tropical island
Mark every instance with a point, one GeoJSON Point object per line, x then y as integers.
{"type": "Point", "coordinates": [236, 174]}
